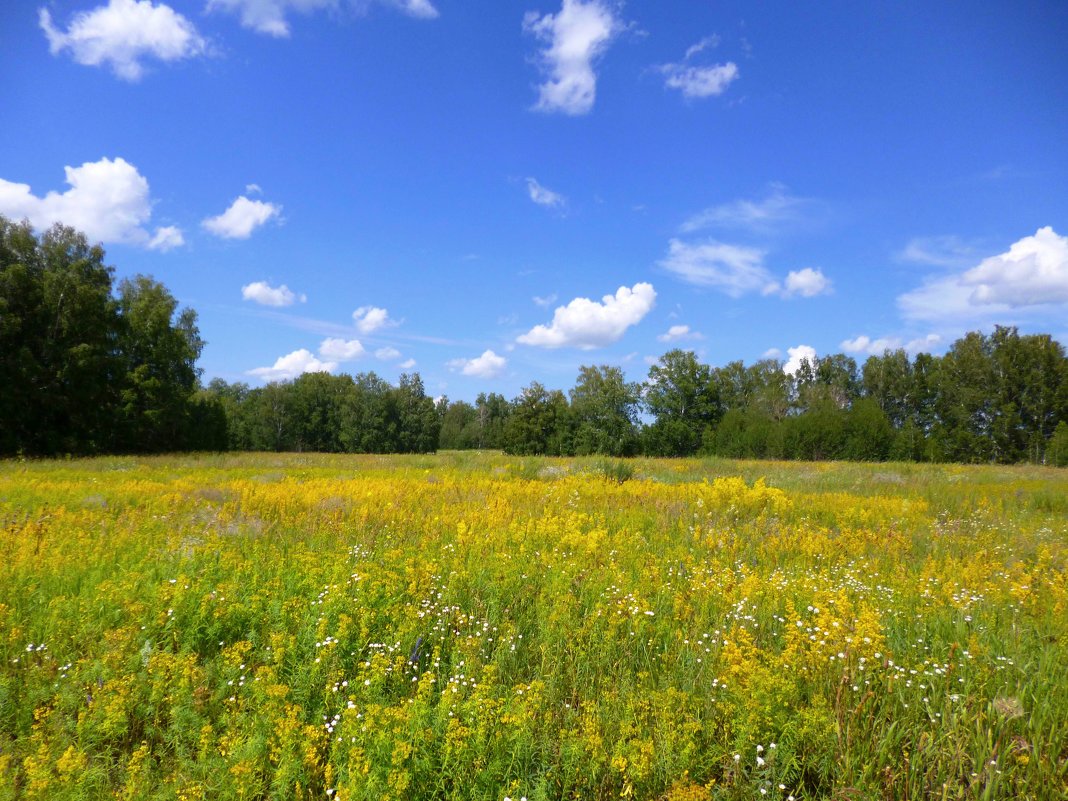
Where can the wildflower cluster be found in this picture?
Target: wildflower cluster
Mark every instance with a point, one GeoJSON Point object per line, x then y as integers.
{"type": "Point", "coordinates": [453, 627]}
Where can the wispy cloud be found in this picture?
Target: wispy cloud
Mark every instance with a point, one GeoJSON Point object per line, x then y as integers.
{"type": "Point", "coordinates": [699, 80]}
{"type": "Point", "coordinates": [544, 196]}
{"type": "Point", "coordinates": [767, 215]}
{"type": "Point", "coordinates": [271, 17]}
{"type": "Point", "coordinates": [939, 251]}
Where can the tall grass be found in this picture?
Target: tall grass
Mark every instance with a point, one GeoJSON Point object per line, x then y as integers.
{"type": "Point", "coordinates": [477, 627]}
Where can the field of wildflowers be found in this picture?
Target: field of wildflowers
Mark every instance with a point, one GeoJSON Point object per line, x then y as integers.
{"type": "Point", "coordinates": [469, 626]}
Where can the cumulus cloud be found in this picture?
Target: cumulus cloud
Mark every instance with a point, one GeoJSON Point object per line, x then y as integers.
{"type": "Point", "coordinates": [763, 216]}
{"type": "Point", "coordinates": [266, 295]}
{"type": "Point", "coordinates": [371, 318]}
{"type": "Point", "coordinates": [544, 196]}
{"type": "Point", "coordinates": [873, 347]}
{"type": "Point", "coordinates": [696, 82]}
{"type": "Point", "coordinates": [341, 350]}
{"type": "Point", "coordinates": [772, 353]}
{"type": "Point", "coordinates": [108, 200]}
{"type": "Point", "coordinates": [807, 283]}
{"type": "Point", "coordinates": [1032, 273]}
{"type": "Point", "coordinates": [864, 344]}
{"type": "Point", "coordinates": [387, 354]}
{"type": "Point", "coordinates": [733, 269]}
{"type": "Point", "coordinates": [795, 356]}
{"type": "Point", "coordinates": [574, 38]}
{"type": "Point", "coordinates": [292, 365]}
{"type": "Point", "coordinates": [124, 33]}
{"type": "Point", "coordinates": [270, 16]}
{"type": "Point", "coordinates": [488, 365]}
{"type": "Point", "coordinates": [407, 364]}
{"type": "Point", "coordinates": [242, 218]}
{"type": "Point", "coordinates": [586, 324]}
{"type": "Point", "coordinates": [677, 332]}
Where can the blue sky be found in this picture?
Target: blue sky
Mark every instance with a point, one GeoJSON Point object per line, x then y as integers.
{"type": "Point", "coordinates": [491, 193]}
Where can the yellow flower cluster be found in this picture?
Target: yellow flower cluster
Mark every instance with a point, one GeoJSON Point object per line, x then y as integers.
{"type": "Point", "coordinates": [469, 626]}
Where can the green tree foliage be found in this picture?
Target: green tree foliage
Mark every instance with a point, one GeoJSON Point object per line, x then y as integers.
{"type": "Point", "coordinates": [540, 423]}
{"type": "Point", "coordinates": [493, 413]}
{"type": "Point", "coordinates": [82, 370]}
{"type": "Point", "coordinates": [604, 410]}
{"type": "Point", "coordinates": [159, 347]}
{"type": "Point", "coordinates": [1057, 453]}
{"type": "Point", "coordinates": [459, 427]}
{"type": "Point", "coordinates": [330, 413]}
{"type": "Point", "coordinates": [682, 396]}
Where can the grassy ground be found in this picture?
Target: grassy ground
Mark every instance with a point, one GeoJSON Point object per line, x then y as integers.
{"type": "Point", "coordinates": [470, 626]}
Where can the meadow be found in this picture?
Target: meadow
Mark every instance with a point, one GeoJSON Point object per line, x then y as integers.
{"type": "Point", "coordinates": [474, 626]}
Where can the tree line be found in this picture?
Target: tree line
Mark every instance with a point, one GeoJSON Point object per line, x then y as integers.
{"type": "Point", "coordinates": [90, 369]}
{"type": "Point", "coordinates": [86, 368]}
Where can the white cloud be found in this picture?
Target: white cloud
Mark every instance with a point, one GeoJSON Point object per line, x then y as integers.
{"type": "Point", "coordinates": [269, 16]}
{"type": "Point", "coordinates": [873, 347]}
{"type": "Point", "coordinates": [387, 354]}
{"type": "Point", "coordinates": [341, 350]}
{"type": "Point", "coordinates": [795, 355]}
{"type": "Point", "coordinates": [293, 365]}
{"type": "Point", "coordinates": [677, 332]}
{"type": "Point", "coordinates": [545, 302]}
{"type": "Point", "coordinates": [923, 344]}
{"type": "Point", "coordinates": [763, 216]}
{"type": "Point", "coordinates": [488, 365]}
{"type": "Point", "coordinates": [876, 347]}
{"type": "Point", "coordinates": [242, 218]}
{"type": "Point", "coordinates": [122, 34]}
{"type": "Point", "coordinates": [166, 238]}
{"type": "Point", "coordinates": [574, 38]}
{"type": "Point", "coordinates": [544, 196]}
{"type": "Point", "coordinates": [807, 283]}
{"type": "Point", "coordinates": [108, 200]}
{"type": "Point", "coordinates": [422, 9]}
{"type": "Point", "coordinates": [266, 295]}
{"type": "Point", "coordinates": [1032, 273]}
{"type": "Point", "coordinates": [708, 41]}
{"type": "Point", "coordinates": [253, 189]}
{"type": "Point", "coordinates": [771, 353]}
{"type": "Point", "coordinates": [732, 269]}
{"type": "Point", "coordinates": [372, 318]}
{"type": "Point", "coordinates": [586, 324]}
{"type": "Point", "coordinates": [699, 81]}
{"type": "Point", "coordinates": [407, 364]}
